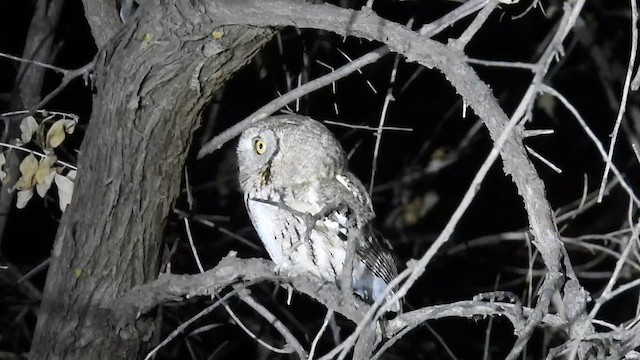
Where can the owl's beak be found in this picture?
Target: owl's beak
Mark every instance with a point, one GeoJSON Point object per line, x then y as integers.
{"type": "Point", "coordinates": [265, 175]}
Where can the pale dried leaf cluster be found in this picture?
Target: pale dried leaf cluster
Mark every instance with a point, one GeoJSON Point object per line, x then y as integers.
{"type": "Point", "coordinates": [46, 134]}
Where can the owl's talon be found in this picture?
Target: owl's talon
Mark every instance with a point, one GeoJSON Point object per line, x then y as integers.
{"type": "Point", "coordinates": [280, 267]}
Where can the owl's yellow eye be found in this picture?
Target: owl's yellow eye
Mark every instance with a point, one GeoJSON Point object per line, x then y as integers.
{"type": "Point", "coordinates": [260, 146]}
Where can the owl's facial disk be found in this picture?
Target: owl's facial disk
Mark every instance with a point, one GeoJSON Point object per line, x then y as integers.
{"type": "Point", "coordinates": [256, 149]}
{"type": "Point", "coordinates": [288, 150]}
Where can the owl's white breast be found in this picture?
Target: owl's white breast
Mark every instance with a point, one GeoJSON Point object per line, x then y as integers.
{"type": "Point", "coordinates": [262, 216]}
{"type": "Point", "coordinates": [321, 254]}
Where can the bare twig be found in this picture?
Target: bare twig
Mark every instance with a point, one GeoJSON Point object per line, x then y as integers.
{"type": "Point", "coordinates": [476, 24]}
{"type": "Point", "coordinates": [572, 9]}
{"type": "Point", "coordinates": [625, 95]}
{"type": "Point", "coordinates": [217, 142]}
{"type": "Point", "coordinates": [504, 64]}
{"type": "Point", "coordinates": [277, 324]}
{"type": "Point", "coordinates": [186, 324]}
{"type": "Point", "coordinates": [69, 76]}
{"type": "Point", "coordinates": [396, 328]}
{"type": "Point", "coordinates": [545, 161]}
{"type": "Point", "coordinates": [606, 294]}
{"type": "Point", "coordinates": [314, 344]}
{"type": "Point", "coordinates": [364, 127]}
{"type": "Point", "coordinates": [593, 138]}
{"type": "Point", "coordinates": [467, 8]}
{"type": "Point", "coordinates": [383, 116]}
{"type": "Point", "coordinates": [34, 62]}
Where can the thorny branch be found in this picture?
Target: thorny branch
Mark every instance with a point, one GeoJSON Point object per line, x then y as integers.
{"type": "Point", "coordinates": [508, 142]}
{"type": "Point", "coordinates": [478, 96]}
{"type": "Point", "coordinates": [232, 270]}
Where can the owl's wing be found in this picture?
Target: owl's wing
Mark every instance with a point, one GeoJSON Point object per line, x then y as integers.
{"type": "Point", "coordinates": [354, 204]}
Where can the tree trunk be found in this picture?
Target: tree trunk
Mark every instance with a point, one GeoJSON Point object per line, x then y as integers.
{"type": "Point", "coordinates": [152, 81]}
{"type": "Point", "coordinates": [38, 44]}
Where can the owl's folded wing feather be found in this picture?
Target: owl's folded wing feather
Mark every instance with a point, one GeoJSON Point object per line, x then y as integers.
{"type": "Point", "coordinates": [355, 205]}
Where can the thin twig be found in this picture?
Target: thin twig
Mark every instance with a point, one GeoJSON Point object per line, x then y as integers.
{"type": "Point", "coordinates": [594, 138]}
{"type": "Point", "coordinates": [66, 79]}
{"type": "Point", "coordinates": [475, 25]}
{"type": "Point", "coordinates": [551, 165]}
{"type": "Point", "coordinates": [359, 71]}
{"type": "Point", "coordinates": [186, 324]}
{"type": "Point", "coordinates": [383, 115]}
{"type": "Point", "coordinates": [314, 344]}
{"type": "Point", "coordinates": [504, 64]}
{"type": "Point", "coordinates": [364, 127]}
{"type": "Point", "coordinates": [34, 62]}
{"type": "Point", "coordinates": [452, 17]}
{"type": "Point", "coordinates": [41, 155]}
{"type": "Point", "coordinates": [625, 95]}
{"type": "Point", "coordinates": [404, 323]}
{"type": "Point", "coordinates": [273, 106]}
{"type": "Point", "coordinates": [572, 10]}
{"type": "Point", "coordinates": [606, 293]}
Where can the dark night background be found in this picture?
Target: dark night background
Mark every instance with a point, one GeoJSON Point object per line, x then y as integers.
{"type": "Point", "coordinates": [430, 107]}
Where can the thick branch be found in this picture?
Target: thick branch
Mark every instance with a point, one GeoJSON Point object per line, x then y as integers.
{"type": "Point", "coordinates": [231, 270]}
{"type": "Point", "coordinates": [474, 91]}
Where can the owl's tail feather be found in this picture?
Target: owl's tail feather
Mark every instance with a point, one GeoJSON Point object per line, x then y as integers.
{"type": "Point", "coordinates": [370, 287]}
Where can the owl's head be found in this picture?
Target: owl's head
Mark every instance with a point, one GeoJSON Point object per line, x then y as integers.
{"type": "Point", "coordinates": [287, 150]}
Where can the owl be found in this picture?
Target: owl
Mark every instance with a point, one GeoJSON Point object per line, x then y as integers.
{"type": "Point", "coordinates": [305, 204]}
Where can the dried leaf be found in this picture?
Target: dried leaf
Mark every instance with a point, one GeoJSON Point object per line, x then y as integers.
{"type": "Point", "coordinates": [55, 135]}
{"type": "Point", "coordinates": [29, 165]}
{"type": "Point", "coordinates": [28, 126]}
{"type": "Point", "coordinates": [72, 175]}
{"type": "Point", "coordinates": [23, 198]}
{"type": "Point", "coordinates": [65, 190]}
{"type": "Point", "coordinates": [69, 125]}
{"type": "Point", "coordinates": [44, 168]}
{"type": "Point", "coordinates": [43, 186]}
{"type": "Point", "coordinates": [28, 169]}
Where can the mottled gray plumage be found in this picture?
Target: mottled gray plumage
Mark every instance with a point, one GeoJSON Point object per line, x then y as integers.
{"type": "Point", "coordinates": [305, 203]}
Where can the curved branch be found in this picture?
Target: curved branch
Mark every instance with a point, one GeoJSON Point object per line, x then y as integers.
{"type": "Point", "coordinates": [232, 270]}
{"type": "Point", "coordinates": [474, 91]}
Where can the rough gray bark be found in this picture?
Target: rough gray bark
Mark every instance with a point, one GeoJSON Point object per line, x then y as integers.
{"type": "Point", "coordinates": [152, 81]}
{"type": "Point", "coordinates": [102, 16]}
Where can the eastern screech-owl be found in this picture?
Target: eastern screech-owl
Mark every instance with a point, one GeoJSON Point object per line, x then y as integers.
{"type": "Point", "coordinates": [305, 204]}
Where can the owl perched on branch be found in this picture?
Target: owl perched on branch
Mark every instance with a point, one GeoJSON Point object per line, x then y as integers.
{"type": "Point", "coordinates": [306, 205]}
